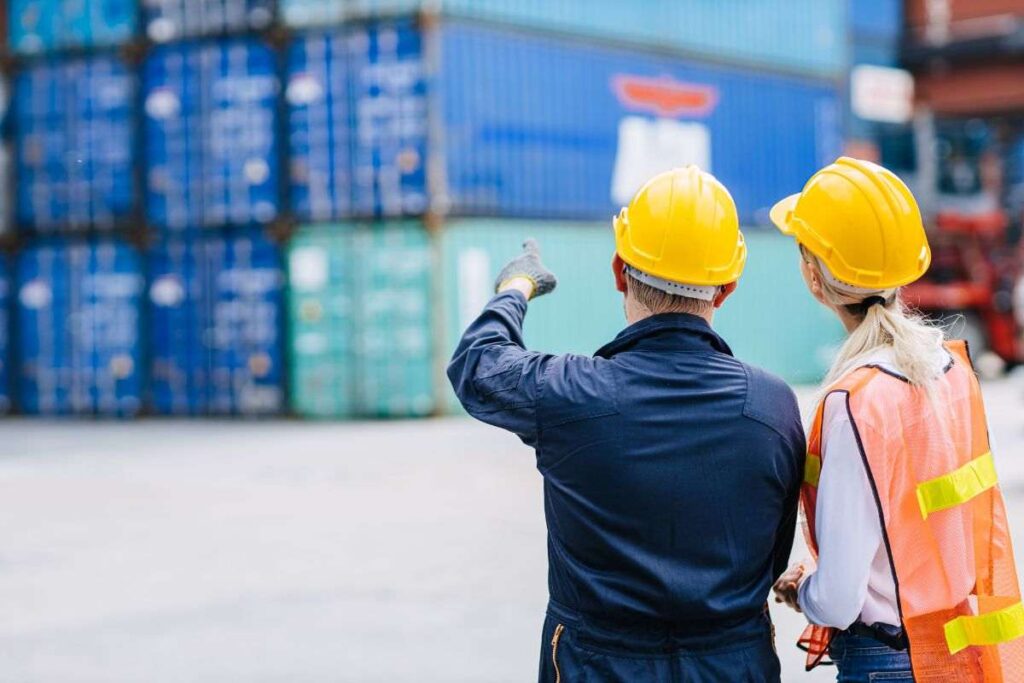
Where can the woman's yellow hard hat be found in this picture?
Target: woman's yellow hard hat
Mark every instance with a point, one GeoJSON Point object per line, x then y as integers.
{"type": "Point", "coordinates": [682, 227]}
{"type": "Point", "coordinates": [861, 221]}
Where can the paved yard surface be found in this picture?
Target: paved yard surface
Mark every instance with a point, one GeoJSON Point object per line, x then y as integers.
{"type": "Point", "coordinates": [287, 551]}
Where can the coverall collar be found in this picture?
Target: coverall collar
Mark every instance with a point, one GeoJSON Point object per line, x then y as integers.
{"type": "Point", "coordinates": [692, 333]}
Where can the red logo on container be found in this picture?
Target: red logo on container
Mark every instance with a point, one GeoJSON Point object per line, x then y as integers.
{"type": "Point", "coordinates": [664, 95]}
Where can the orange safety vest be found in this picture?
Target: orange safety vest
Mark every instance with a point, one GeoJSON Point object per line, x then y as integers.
{"type": "Point", "coordinates": [943, 519]}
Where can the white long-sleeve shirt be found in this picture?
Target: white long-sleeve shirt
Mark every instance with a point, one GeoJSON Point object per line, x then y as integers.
{"type": "Point", "coordinates": [853, 580]}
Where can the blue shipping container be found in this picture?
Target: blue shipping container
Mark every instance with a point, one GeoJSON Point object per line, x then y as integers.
{"type": "Point", "coordinates": [215, 326]}
{"type": "Point", "coordinates": [805, 35]}
{"type": "Point", "coordinates": [73, 147]}
{"type": "Point", "coordinates": [168, 20]}
{"type": "Point", "coordinates": [537, 126]}
{"type": "Point", "coordinates": [78, 344]}
{"type": "Point", "coordinates": [5, 337]}
{"type": "Point", "coordinates": [44, 25]}
{"type": "Point", "coordinates": [358, 123]}
{"type": "Point", "coordinates": [210, 143]}
{"type": "Point", "coordinates": [876, 19]}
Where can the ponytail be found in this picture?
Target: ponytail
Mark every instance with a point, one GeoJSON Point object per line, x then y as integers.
{"type": "Point", "coordinates": [913, 340]}
{"type": "Point", "coordinates": [885, 322]}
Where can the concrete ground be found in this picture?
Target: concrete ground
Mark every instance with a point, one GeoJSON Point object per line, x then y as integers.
{"type": "Point", "coordinates": [288, 551]}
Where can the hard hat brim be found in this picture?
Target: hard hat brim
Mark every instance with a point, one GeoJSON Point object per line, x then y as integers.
{"type": "Point", "coordinates": [781, 212]}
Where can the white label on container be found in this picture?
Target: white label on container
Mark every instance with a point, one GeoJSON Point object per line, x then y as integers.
{"type": "Point", "coordinates": [648, 147]}
{"type": "Point", "coordinates": [167, 291]}
{"type": "Point", "coordinates": [309, 268]}
{"type": "Point", "coordinates": [256, 171]}
{"type": "Point", "coordinates": [162, 104]}
{"type": "Point", "coordinates": [881, 93]}
{"type": "Point", "coordinates": [36, 294]}
{"type": "Point", "coordinates": [304, 89]}
{"type": "Point", "coordinates": [475, 285]}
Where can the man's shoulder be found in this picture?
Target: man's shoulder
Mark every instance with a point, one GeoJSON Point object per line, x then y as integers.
{"type": "Point", "coordinates": [770, 400]}
{"type": "Point", "coordinates": [575, 387]}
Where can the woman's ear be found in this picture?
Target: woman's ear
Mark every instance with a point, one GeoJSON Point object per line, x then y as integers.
{"type": "Point", "coordinates": [618, 267]}
{"type": "Point", "coordinates": [813, 280]}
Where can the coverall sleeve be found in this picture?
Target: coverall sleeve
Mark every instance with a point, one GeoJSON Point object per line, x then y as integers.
{"type": "Point", "coordinates": [495, 377]}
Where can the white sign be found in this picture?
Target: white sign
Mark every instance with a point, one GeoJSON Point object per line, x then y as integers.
{"type": "Point", "coordinates": [475, 285]}
{"type": "Point", "coordinates": [881, 93]}
{"type": "Point", "coordinates": [648, 147]}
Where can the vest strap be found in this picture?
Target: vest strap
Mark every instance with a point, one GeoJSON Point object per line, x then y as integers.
{"type": "Point", "coordinates": [812, 469]}
{"type": "Point", "coordinates": [993, 628]}
{"type": "Point", "coordinates": [957, 487]}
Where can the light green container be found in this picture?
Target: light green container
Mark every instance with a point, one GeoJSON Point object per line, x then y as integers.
{"type": "Point", "coordinates": [321, 299]}
{"type": "Point", "coordinates": [360, 336]}
{"type": "Point", "coordinates": [770, 321]}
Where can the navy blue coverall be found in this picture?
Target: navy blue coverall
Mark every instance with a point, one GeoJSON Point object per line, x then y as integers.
{"type": "Point", "coordinates": [671, 479]}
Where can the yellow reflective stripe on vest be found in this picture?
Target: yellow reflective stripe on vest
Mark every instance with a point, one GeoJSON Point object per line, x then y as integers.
{"type": "Point", "coordinates": [957, 487]}
{"type": "Point", "coordinates": [993, 628]}
{"type": "Point", "coordinates": [812, 469]}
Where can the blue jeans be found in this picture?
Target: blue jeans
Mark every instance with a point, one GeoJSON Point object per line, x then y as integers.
{"type": "Point", "coordinates": [864, 660]}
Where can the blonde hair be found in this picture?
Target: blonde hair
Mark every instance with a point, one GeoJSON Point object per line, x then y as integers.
{"type": "Point", "coordinates": [888, 323]}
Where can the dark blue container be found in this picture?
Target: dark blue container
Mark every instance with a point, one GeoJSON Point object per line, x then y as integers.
{"type": "Point", "coordinates": [73, 146]}
{"type": "Point", "coordinates": [78, 344]}
{"type": "Point", "coordinates": [168, 20]}
{"type": "Point", "coordinates": [214, 326]}
{"type": "Point", "coordinates": [531, 125]}
{"type": "Point", "coordinates": [210, 144]}
{"type": "Point", "coordinates": [43, 25]}
{"type": "Point", "coordinates": [5, 337]}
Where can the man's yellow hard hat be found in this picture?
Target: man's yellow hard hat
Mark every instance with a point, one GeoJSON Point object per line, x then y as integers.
{"type": "Point", "coordinates": [861, 221]}
{"type": "Point", "coordinates": [682, 227]}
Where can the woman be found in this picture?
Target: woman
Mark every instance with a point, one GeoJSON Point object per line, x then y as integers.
{"type": "Point", "coordinates": [913, 575]}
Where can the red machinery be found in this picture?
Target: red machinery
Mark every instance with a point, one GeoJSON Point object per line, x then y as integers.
{"type": "Point", "coordinates": [974, 274]}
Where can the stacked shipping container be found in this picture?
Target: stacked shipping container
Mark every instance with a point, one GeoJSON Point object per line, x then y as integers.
{"type": "Point", "coordinates": [211, 156]}
{"type": "Point", "coordinates": [78, 309]}
{"type": "Point", "coordinates": [214, 327]}
{"type": "Point", "coordinates": [73, 149]}
{"type": "Point", "coordinates": [497, 120]}
{"type": "Point", "coordinates": [38, 26]}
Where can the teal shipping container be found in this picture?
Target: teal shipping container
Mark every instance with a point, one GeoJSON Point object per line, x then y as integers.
{"type": "Point", "coordinates": [797, 35]}
{"type": "Point", "coordinates": [360, 312]}
{"type": "Point", "coordinates": [771, 320]}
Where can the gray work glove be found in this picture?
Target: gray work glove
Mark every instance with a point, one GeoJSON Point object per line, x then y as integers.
{"type": "Point", "coordinates": [528, 265]}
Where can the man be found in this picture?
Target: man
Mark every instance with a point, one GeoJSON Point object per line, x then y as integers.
{"type": "Point", "coordinates": [671, 469]}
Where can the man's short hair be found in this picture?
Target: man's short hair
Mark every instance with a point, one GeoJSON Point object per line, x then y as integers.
{"type": "Point", "coordinates": [657, 301]}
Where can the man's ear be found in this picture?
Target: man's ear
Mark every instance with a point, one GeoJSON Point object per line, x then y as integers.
{"type": "Point", "coordinates": [618, 266]}
{"type": "Point", "coordinates": [724, 292]}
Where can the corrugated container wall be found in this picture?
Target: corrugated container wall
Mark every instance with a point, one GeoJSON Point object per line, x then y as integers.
{"type": "Point", "coordinates": [585, 312]}
{"type": "Point", "coordinates": [803, 35]}
{"type": "Point", "coordinates": [38, 26]}
{"type": "Point", "coordinates": [73, 150]}
{"type": "Point", "coordinates": [360, 310]}
{"type": "Point", "coordinates": [210, 136]}
{"type": "Point", "coordinates": [5, 336]}
{"type": "Point", "coordinates": [78, 316]}
{"type": "Point", "coordinates": [6, 178]}
{"type": "Point", "coordinates": [168, 20]}
{"type": "Point", "coordinates": [538, 126]}
{"type": "Point", "coordinates": [215, 326]}
{"type": "Point", "coordinates": [358, 123]}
